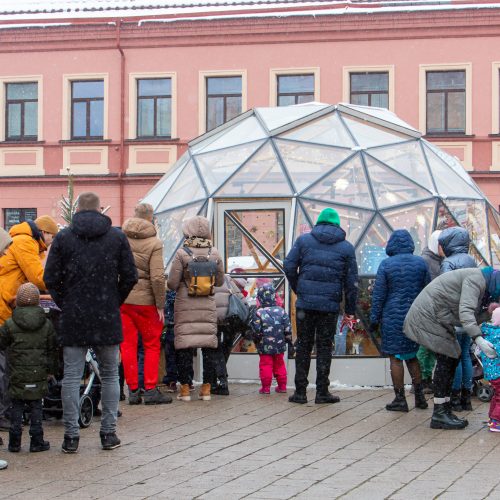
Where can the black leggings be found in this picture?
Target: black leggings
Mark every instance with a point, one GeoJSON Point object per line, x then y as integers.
{"type": "Point", "coordinates": [16, 416]}
{"type": "Point", "coordinates": [443, 375]}
{"type": "Point", "coordinates": [184, 359]}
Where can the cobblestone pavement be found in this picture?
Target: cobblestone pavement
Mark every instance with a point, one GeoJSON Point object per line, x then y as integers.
{"type": "Point", "coordinates": [262, 447]}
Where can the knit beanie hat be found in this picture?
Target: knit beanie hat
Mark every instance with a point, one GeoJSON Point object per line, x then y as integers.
{"type": "Point", "coordinates": [47, 224]}
{"type": "Point", "coordinates": [28, 295]}
{"type": "Point", "coordinates": [329, 216]}
{"type": "Point", "coordinates": [495, 317]}
{"type": "Point", "coordinates": [492, 278]}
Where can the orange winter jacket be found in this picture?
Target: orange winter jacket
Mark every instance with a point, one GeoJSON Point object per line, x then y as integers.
{"type": "Point", "coordinates": [21, 263]}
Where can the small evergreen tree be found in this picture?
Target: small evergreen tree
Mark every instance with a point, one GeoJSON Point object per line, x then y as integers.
{"type": "Point", "coordinates": [68, 203]}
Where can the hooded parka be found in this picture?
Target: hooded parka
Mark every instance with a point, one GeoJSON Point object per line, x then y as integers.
{"type": "Point", "coordinates": [22, 263]}
{"type": "Point", "coordinates": [400, 278]}
{"type": "Point", "coordinates": [148, 257]}
{"type": "Point", "coordinates": [5, 240]}
{"type": "Point", "coordinates": [452, 299]}
{"type": "Point", "coordinates": [90, 271]}
{"type": "Point", "coordinates": [195, 317]}
{"type": "Point", "coordinates": [30, 341]}
{"type": "Point", "coordinates": [455, 242]}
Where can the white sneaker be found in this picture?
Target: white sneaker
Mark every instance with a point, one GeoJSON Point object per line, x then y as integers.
{"type": "Point", "coordinates": [3, 464]}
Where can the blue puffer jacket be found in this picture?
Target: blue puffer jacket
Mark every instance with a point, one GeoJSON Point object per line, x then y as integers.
{"type": "Point", "coordinates": [491, 367]}
{"type": "Point", "coordinates": [321, 267]}
{"type": "Point", "coordinates": [455, 243]}
{"type": "Point", "coordinates": [400, 279]}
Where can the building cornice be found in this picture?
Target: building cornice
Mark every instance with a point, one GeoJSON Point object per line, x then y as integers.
{"type": "Point", "coordinates": [244, 31]}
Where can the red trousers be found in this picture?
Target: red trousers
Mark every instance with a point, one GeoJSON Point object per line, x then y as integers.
{"type": "Point", "coordinates": [494, 412]}
{"type": "Point", "coordinates": [272, 364]}
{"type": "Point", "coordinates": [144, 320]}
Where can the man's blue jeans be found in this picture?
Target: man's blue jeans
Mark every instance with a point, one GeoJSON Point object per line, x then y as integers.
{"type": "Point", "coordinates": [74, 362]}
{"type": "Point", "coordinates": [463, 373]}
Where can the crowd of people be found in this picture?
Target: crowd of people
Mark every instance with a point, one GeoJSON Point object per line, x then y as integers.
{"type": "Point", "coordinates": [114, 297]}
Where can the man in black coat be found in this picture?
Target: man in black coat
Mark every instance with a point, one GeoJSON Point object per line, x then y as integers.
{"type": "Point", "coordinates": [90, 271]}
{"type": "Point", "coordinates": [322, 270]}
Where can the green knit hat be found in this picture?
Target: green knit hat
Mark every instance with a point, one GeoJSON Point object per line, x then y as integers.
{"type": "Point", "coordinates": [329, 216]}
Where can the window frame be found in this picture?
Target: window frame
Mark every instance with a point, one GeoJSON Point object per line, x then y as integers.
{"type": "Point", "coordinates": [133, 105]}
{"type": "Point", "coordinates": [370, 93]}
{"type": "Point", "coordinates": [495, 98]}
{"type": "Point", "coordinates": [87, 101]}
{"type": "Point", "coordinates": [67, 107]}
{"type": "Point", "coordinates": [346, 77]}
{"type": "Point", "coordinates": [22, 137]}
{"type": "Point", "coordinates": [202, 92]}
{"type": "Point", "coordinates": [446, 93]}
{"type": "Point", "coordinates": [38, 79]}
{"type": "Point", "coordinates": [224, 97]}
{"type": "Point", "coordinates": [155, 109]}
{"type": "Point", "coordinates": [294, 94]}
{"type": "Point", "coordinates": [423, 69]}
{"type": "Point", "coordinates": [274, 73]}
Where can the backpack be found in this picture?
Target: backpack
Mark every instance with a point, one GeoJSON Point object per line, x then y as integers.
{"type": "Point", "coordinates": [202, 272]}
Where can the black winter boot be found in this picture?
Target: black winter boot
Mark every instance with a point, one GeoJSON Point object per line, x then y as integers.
{"type": "Point", "coordinates": [223, 388]}
{"type": "Point", "coordinates": [456, 402]}
{"type": "Point", "coordinates": [326, 398]}
{"type": "Point", "coordinates": [37, 443]}
{"type": "Point", "coordinates": [399, 403]}
{"type": "Point", "coordinates": [453, 416]}
{"type": "Point", "coordinates": [465, 400]}
{"type": "Point", "coordinates": [441, 419]}
{"type": "Point", "coordinates": [298, 397]}
{"type": "Point", "coordinates": [420, 401]}
{"type": "Point", "coordinates": [15, 441]}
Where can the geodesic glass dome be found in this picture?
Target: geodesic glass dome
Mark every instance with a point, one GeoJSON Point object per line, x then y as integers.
{"type": "Point", "coordinates": [373, 168]}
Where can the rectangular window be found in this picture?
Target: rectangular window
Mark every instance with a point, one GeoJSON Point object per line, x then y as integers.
{"type": "Point", "coordinates": [87, 109]}
{"type": "Point", "coordinates": [154, 107]}
{"type": "Point", "coordinates": [224, 96]}
{"type": "Point", "coordinates": [445, 102]}
{"type": "Point", "coordinates": [295, 89]}
{"type": "Point", "coordinates": [21, 111]}
{"type": "Point", "coordinates": [13, 216]}
{"type": "Point", "coordinates": [370, 89]}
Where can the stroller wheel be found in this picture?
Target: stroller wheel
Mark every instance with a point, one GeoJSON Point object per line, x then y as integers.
{"type": "Point", "coordinates": [484, 393]}
{"type": "Point", "coordinates": [86, 411]}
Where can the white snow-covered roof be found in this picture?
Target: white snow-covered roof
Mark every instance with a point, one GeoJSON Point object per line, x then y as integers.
{"type": "Point", "coordinates": [26, 11]}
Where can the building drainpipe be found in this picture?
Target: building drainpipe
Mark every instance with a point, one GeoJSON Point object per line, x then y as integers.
{"type": "Point", "coordinates": [121, 172]}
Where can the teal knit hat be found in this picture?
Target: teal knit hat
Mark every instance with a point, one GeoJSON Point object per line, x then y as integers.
{"type": "Point", "coordinates": [492, 277]}
{"type": "Point", "coordinates": [329, 216]}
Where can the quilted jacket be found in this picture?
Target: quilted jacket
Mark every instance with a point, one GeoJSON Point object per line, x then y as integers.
{"type": "Point", "coordinates": [455, 243]}
{"type": "Point", "coordinates": [321, 268]}
{"type": "Point", "coordinates": [400, 278]}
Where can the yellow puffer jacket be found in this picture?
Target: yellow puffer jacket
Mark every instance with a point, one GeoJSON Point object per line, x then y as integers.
{"type": "Point", "coordinates": [21, 263]}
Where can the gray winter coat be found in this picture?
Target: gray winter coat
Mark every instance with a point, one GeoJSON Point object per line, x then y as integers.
{"type": "Point", "coordinates": [433, 262]}
{"type": "Point", "coordinates": [455, 242]}
{"type": "Point", "coordinates": [451, 300]}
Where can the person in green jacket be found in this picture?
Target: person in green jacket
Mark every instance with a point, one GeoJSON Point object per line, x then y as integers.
{"type": "Point", "coordinates": [29, 340]}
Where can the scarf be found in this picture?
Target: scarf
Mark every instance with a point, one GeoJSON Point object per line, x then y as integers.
{"type": "Point", "coordinates": [197, 242]}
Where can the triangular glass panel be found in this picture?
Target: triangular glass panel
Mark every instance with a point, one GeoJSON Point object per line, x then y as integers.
{"type": "Point", "coordinates": [369, 135]}
{"type": "Point", "coordinates": [471, 215]}
{"type": "Point", "coordinates": [170, 227]}
{"type": "Point", "coordinates": [244, 131]}
{"type": "Point", "coordinates": [160, 189]}
{"type": "Point", "coordinates": [370, 251]}
{"type": "Point", "coordinates": [380, 114]}
{"type": "Point", "coordinates": [216, 167]}
{"type": "Point", "coordinates": [391, 188]}
{"type": "Point", "coordinates": [266, 226]}
{"type": "Point", "coordinates": [328, 130]}
{"type": "Point", "coordinates": [449, 183]}
{"type": "Point", "coordinates": [478, 256]}
{"type": "Point", "coordinates": [494, 226]}
{"type": "Point", "coordinates": [352, 220]}
{"type": "Point", "coordinates": [242, 254]}
{"type": "Point", "coordinates": [347, 184]}
{"type": "Point", "coordinates": [444, 218]}
{"type": "Point", "coordinates": [302, 224]}
{"type": "Point", "coordinates": [453, 163]}
{"type": "Point", "coordinates": [307, 163]}
{"type": "Point", "coordinates": [187, 188]}
{"type": "Point", "coordinates": [262, 175]}
{"type": "Point", "coordinates": [278, 117]}
{"type": "Point", "coordinates": [417, 219]}
{"type": "Point", "coordinates": [408, 160]}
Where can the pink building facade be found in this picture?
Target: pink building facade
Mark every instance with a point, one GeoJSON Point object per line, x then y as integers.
{"type": "Point", "coordinates": [113, 96]}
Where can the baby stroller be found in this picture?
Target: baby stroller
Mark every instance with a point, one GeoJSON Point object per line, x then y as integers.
{"type": "Point", "coordinates": [90, 388]}
{"type": "Point", "coordinates": [481, 388]}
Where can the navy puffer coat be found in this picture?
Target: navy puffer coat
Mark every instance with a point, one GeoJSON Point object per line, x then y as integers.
{"type": "Point", "coordinates": [455, 242]}
{"type": "Point", "coordinates": [400, 278]}
{"type": "Point", "coordinates": [321, 268]}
